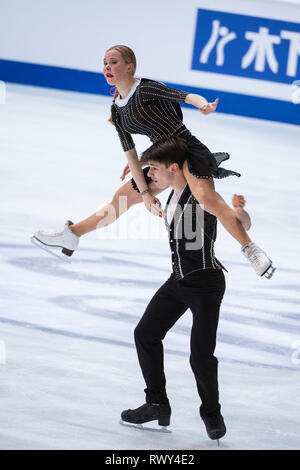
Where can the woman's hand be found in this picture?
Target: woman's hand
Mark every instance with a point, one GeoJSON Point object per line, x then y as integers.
{"type": "Point", "coordinates": [153, 204]}
{"type": "Point", "coordinates": [201, 103]}
{"type": "Point", "coordinates": [125, 172]}
{"type": "Point", "coordinates": [209, 107]}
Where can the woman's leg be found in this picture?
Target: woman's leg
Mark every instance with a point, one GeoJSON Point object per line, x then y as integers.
{"type": "Point", "coordinates": [68, 238]}
{"type": "Point", "coordinates": [123, 199]}
{"type": "Point", "coordinates": [203, 190]}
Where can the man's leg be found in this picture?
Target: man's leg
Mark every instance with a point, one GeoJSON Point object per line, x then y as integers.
{"type": "Point", "coordinates": [205, 296]}
{"type": "Point", "coordinates": [162, 312]}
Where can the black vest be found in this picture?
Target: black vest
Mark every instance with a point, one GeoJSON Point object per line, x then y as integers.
{"type": "Point", "coordinates": [192, 234]}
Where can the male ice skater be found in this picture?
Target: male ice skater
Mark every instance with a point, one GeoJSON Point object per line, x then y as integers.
{"type": "Point", "coordinates": [197, 282]}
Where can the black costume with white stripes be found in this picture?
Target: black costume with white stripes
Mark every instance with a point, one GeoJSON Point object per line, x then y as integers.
{"type": "Point", "coordinates": [152, 110]}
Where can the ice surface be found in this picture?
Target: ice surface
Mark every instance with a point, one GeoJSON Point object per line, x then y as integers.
{"type": "Point", "coordinates": [71, 366]}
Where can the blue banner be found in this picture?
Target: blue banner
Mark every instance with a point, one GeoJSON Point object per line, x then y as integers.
{"type": "Point", "coordinates": [94, 82]}
{"type": "Point", "coordinates": [247, 46]}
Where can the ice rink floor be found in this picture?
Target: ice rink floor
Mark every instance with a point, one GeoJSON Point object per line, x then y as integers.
{"type": "Point", "coordinates": [67, 329]}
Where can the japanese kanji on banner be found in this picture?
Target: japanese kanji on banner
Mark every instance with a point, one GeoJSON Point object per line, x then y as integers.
{"type": "Point", "coordinates": [247, 46]}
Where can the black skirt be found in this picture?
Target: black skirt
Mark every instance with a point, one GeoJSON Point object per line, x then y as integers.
{"type": "Point", "coordinates": [201, 162]}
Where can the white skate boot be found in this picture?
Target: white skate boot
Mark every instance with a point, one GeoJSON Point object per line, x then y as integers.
{"type": "Point", "coordinates": [65, 239]}
{"type": "Point", "coordinates": [259, 260]}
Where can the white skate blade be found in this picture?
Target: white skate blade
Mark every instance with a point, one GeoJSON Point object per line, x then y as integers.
{"type": "Point", "coordinates": [141, 427]}
{"type": "Point", "coordinates": [269, 272]}
{"type": "Point", "coordinates": [47, 248]}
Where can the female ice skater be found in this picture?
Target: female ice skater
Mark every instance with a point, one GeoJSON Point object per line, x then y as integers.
{"type": "Point", "coordinates": [147, 107]}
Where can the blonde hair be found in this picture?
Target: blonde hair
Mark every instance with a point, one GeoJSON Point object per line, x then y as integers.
{"type": "Point", "coordinates": [129, 57]}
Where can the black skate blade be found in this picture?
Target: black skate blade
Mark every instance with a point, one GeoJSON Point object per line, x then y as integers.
{"type": "Point", "coordinates": [47, 248]}
{"type": "Point", "coordinates": [141, 427]}
{"type": "Point", "coordinates": [269, 272]}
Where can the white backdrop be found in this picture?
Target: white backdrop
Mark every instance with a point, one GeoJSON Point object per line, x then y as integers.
{"type": "Point", "coordinates": [76, 33]}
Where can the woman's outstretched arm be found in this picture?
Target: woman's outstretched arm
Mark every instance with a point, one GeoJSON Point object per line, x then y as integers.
{"type": "Point", "coordinates": [201, 103]}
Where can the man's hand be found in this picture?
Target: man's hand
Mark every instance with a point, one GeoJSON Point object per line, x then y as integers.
{"type": "Point", "coordinates": [153, 205]}
{"type": "Point", "coordinates": [125, 172]}
{"type": "Point", "coordinates": [209, 107]}
{"type": "Point", "coordinates": [238, 203]}
{"type": "Point", "coordinates": [238, 200]}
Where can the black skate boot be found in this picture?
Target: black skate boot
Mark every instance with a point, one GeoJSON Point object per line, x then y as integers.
{"type": "Point", "coordinates": [148, 412]}
{"type": "Point", "coordinates": [214, 423]}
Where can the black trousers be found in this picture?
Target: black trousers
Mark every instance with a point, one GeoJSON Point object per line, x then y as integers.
{"type": "Point", "coordinates": [202, 292]}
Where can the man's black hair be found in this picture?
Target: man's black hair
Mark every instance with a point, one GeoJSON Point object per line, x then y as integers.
{"type": "Point", "coordinates": [167, 151]}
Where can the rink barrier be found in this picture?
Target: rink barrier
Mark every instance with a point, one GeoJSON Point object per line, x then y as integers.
{"type": "Point", "coordinates": [92, 82]}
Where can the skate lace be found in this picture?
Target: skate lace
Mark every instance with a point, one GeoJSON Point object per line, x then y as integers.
{"type": "Point", "coordinates": [255, 254]}
{"type": "Point", "coordinates": [55, 234]}
{"type": "Point", "coordinates": [52, 234]}
{"type": "Point", "coordinates": [58, 233]}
